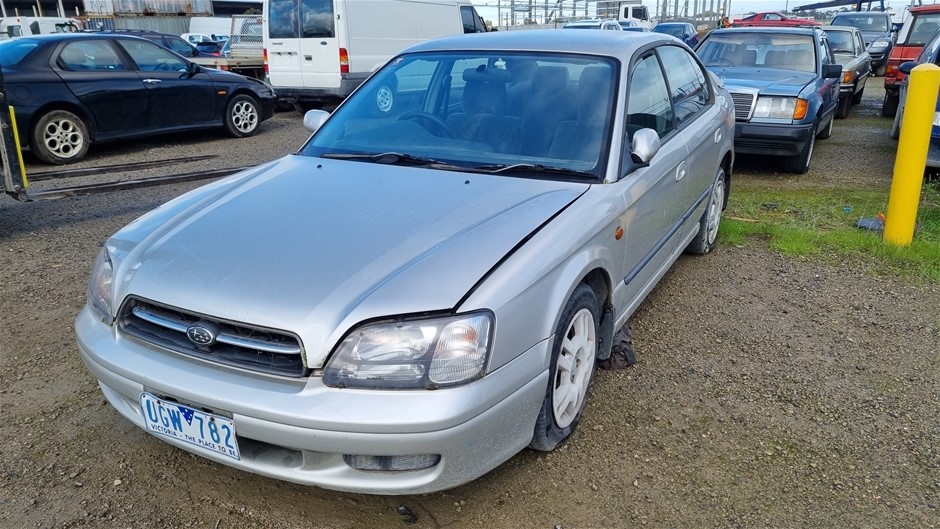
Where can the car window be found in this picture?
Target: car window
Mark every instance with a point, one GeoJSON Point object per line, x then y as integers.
{"type": "Point", "coordinates": [859, 43]}
{"type": "Point", "coordinates": [649, 104]}
{"type": "Point", "coordinates": [688, 90]}
{"type": "Point", "coordinates": [922, 28]}
{"type": "Point", "coordinates": [841, 41]}
{"type": "Point", "coordinates": [152, 58]}
{"type": "Point", "coordinates": [89, 55]}
{"type": "Point", "coordinates": [180, 46]}
{"type": "Point", "coordinates": [783, 51]}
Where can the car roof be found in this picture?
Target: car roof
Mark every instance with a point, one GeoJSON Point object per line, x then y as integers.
{"type": "Point", "coordinates": [798, 31]}
{"type": "Point", "coordinates": [611, 43]}
{"type": "Point", "coordinates": [840, 28]}
{"type": "Point", "coordinates": [925, 9]}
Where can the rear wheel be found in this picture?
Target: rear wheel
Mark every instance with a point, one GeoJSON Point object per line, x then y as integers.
{"type": "Point", "coordinates": [60, 137]}
{"type": "Point", "coordinates": [242, 117]}
{"type": "Point", "coordinates": [574, 354]}
{"type": "Point", "coordinates": [889, 105]}
{"type": "Point", "coordinates": [707, 236]}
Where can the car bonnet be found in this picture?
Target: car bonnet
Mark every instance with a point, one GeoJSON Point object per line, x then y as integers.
{"type": "Point", "coordinates": [314, 246]}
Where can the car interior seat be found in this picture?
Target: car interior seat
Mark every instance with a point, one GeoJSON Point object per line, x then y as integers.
{"type": "Point", "coordinates": [581, 139]}
{"type": "Point", "coordinates": [547, 105]}
{"type": "Point", "coordinates": [484, 118]}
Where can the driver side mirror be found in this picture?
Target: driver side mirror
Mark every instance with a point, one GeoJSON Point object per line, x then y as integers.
{"type": "Point", "coordinates": [906, 67]}
{"type": "Point", "coordinates": [645, 145]}
{"type": "Point", "coordinates": [314, 119]}
{"type": "Point", "coordinates": [832, 71]}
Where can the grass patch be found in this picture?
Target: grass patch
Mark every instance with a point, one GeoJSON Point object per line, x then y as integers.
{"type": "Point", "coordinates": [806, 222]}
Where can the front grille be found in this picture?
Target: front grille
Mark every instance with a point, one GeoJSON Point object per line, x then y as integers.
{"type": "Point", "coordinates": [232, 344]}
{"type": "Point", "coordinates": [743, 105]}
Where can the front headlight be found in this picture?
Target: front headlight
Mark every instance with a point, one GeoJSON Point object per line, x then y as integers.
{"type": "Point", "coordinates": [99, 287]}
{"type": "Point", "coordinates": [879, 44]}
{"type": "Point", "coordinates": [412, 354]}
{"type": "Point", "coordinates": [776, 107]}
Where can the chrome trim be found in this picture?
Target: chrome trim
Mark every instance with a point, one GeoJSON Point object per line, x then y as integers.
{"type": "Point", "coordinates": [229, 339]}
{"type": "Point", "coordinates": [744, 109]}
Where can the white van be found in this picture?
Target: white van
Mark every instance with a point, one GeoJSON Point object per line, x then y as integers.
{"type": "Point", "coordinates": [20, 26]}
{"type": "Point", "coordinates": [318, 51]}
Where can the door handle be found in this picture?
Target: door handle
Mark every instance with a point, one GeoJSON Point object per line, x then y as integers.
{"type": "Point", "coordinates": [718, 136]}
{"type": "Point", "coordinates": [151, 81]}
{"type": "Point", "coordinates": [680, 171]}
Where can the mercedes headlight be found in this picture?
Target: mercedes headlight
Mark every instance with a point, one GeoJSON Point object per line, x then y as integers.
{"type": "Point", "coordinates": [419, 354]}
{"type": "Point", "coordinates": [780, 108]}
{"type": "Point", "coordinates": [879, 44]}
{"type": "Point", "coordinates": [99, 287]}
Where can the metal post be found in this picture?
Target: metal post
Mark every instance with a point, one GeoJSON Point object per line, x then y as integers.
{"type": "Point", "coordinates": [919, 107]}
{"type": "Point", "coordinates": [3, 9]}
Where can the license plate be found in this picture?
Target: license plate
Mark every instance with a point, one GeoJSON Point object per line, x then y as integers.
{"type": "Point", "coordinates": [209, 432]}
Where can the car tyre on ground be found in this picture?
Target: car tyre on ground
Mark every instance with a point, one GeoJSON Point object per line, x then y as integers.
{"type": "Point", "coordinates": [896, 126]}
{"type": "Point", "coordinates": [842, 111]}
{"type": "Point", "coordinates": [800, 163]}
{"type": "Point", "coordinates": [707, 235]}
{"type": "Point", "coordinates": [60, 137]}
{"type": "Point", "coordinates": [571, 368]}
{"type": "Point", "coordinates": [889, 106]}
{"type": "Point", "coordinates": [242, 116]}
{"type": "Point", "coordinates": [857, 98]}
{"type": "Point", "coordinates": [825, 133]}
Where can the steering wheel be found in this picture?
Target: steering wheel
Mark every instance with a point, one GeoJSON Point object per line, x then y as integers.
{"type": "Point", "coordinates": [428, 119]}
{"type": "Point", "coordinates": [721, 61]}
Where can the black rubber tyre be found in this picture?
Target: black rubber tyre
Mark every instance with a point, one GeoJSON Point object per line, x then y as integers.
{"type": "Point", "coordinates": [800, 163]}
{"type": "Point", "coordinates": [842, 111]}
{"type": "Point", "coordinates": [242, 117]}
{"type": "Point", "coordinates": [896, 126]}
{"type": "Point", "coordinates": [574, 358]}
{"type": "Point", "coordinates": [889, 106]}
{"type": "Point", "coordinates": [857, 98]}
{"type": "Point", "coordinates": [707, 236]}
{"type": "Point", "coordinates": [60, 137]}
{"type": "Point", "coordinates": [826, 132]}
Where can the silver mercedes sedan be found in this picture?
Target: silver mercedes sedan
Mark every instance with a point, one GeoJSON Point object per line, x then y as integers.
{"type": "Point", "coordinates": [424, 289]}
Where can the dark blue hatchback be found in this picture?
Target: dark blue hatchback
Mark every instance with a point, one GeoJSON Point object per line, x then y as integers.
{"type": "Point", "coordinates": [72, 90]}
{"type": "Point", "coordinates": [681, 30]}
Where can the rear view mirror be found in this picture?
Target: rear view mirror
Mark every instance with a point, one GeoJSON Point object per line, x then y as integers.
{"type": "Point", "coordinates": [906, 67]}
{"type": "Point", "coordinates": [832, 71]}
{"type": "Point", "coordinates": [646, 144]}
{"type": "Point", "coordinates": [314, 119]}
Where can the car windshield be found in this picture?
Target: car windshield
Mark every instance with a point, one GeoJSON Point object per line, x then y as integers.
{"type": "Point", "coordinates": [540, 114]}
{"type": "Point", "coordinates": [785, 52]}
{"type": "Point", "coordinates": [921, 29]}
{"type": "Point", "coordinates": [675, 31]}
{"type": "Point", "coordinates": [841, 41]}
{"type": "Point", "coordinates": [863, 22]}
{"type": "Point", "coordinates": [15, 50]}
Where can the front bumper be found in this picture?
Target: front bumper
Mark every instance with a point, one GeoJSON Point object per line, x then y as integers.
{"type": "Point", "coordinates": [771, 139]}
{"type": "Point", "coordinates": [299, 430]}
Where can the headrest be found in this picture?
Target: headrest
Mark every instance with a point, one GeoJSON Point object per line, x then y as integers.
{"type": "Point", "coordinates": [550, 78]}
{"type": "Point", "coordinates": [488, 75]}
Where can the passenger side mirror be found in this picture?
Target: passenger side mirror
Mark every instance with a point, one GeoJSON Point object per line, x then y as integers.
{"type": "Point", "coordinates": [314, 119]}
{"type": "Point", "coordinates": [906, 67]}
{"type": "Point", "coordinates": [832, 71]}
{"type": "Point", "coordinates": [645, 145]}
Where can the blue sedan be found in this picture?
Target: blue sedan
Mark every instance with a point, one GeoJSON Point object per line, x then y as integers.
{"type": "Point", "coordinates": [785, 87]}
{"type": "Point", "coordinates": [681, 30]}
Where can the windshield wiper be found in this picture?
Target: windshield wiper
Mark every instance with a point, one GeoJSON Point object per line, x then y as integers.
{"type": "Point", "coordinates": [389, 158]}
{"type": "Point", "coordinates": [533, 168]}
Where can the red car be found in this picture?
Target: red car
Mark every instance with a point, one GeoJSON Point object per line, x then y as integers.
{"type": "Point", "coordinates": [773, 19]}
{"type": "Point", "coordinates": [922, 24]}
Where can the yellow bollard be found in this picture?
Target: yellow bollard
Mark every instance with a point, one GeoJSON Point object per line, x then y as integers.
{"type": "Point", "coordinates": [919, 107]}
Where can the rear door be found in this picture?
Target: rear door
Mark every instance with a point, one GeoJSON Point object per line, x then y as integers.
{"type": "Point", "coordinates": [302, 44]}
{"type": "Point", "coordinates": [98, 75]}
{"type": "Point", "coordinates": [176, 97]}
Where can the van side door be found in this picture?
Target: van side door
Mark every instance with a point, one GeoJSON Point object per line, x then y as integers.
{"type": "Point", "coordinates": [302, 44]}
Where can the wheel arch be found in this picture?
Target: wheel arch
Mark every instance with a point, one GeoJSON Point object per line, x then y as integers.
{"type": "Point", "coordinates": [60, 105]}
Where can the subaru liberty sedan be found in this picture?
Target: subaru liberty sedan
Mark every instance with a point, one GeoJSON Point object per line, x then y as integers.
{"type": "Point", "coordinates": [424, 288]}
{"type": "Point", "coordinates": [785, 86]}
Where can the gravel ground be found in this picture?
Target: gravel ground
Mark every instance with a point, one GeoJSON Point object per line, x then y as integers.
{"type": "Point", "coordinates": [769, 391]}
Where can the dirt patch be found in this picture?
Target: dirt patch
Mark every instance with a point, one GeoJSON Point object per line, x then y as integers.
{"type": "Point", "coordinates": [769, 392]}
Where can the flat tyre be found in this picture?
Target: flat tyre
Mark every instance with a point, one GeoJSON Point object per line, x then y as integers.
{"type": "Point", "coordinates": [60, 137]}
{"type": "Point", "coordinates": [571, 368]}
{"type": "Point", "coordinates": [242, 117]}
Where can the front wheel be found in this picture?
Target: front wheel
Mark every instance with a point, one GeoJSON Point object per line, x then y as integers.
{"type": "Point", "coordinates": [60, 137]}
{"type": "Point", "coordinates": [242, 117]}
{"type": "Point", "coordinates": [842, 111]}
{"type": "Point", "coordinates": [826, 132]}
{"type": "Point", "coordinates": [800, 163]}
{"type": "Point", "coordinates": [707, 236]}
{"type": "Point", "coordinates": [857, 98]}
{"type": "Point", "coordinates": [574, 354]}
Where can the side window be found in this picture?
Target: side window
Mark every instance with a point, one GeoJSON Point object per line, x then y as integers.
{"type": "Point", "coordinates": [152, 58]}
{"type": "Point", "coordinates": [688, 89]}
{"type": "Point", "coordinates": [772, 16]}
{"type": "Point", "coordinates": [317, 19]}
{"type": "Point", "coordinates": [89, 55]}
{"type": "Point", "coordinates": [648, 106]}
{"type": "Point", "coordinates": [181, 46]}
{"type": "Point", "coordinates": [471, 20]}
{"type": "Point", "coordinates": [282, 19]}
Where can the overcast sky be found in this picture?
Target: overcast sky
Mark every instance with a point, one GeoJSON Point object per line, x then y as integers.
{"type": "Point", "coordinates": [488, 9]}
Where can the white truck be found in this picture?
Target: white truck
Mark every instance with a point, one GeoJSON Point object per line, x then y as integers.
{"type": "Point", "coordinates": [317, 53]}
{"type": "Point", "coordinates": [632, 10]}
{"type": "Point", "coordinates": [20, 26]}
{"type": "Point", "coordinates": [246, 54]}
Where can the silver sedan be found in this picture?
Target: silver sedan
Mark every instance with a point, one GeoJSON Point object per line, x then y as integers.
{"type": "Point", "coordinates": [424, 289]}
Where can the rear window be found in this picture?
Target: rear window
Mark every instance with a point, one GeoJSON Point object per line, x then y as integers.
{"type": "Point", "coordinates": [863, 22]}
{"type": "Point", "coordinates": [920, 29]}
{"type": "Point", "coordinates": [13, 51]}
